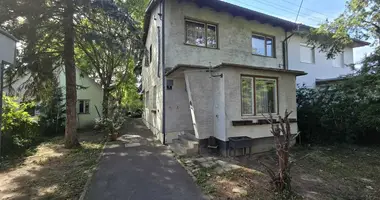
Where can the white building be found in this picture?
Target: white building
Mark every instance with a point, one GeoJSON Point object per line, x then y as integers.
{"type": "Point", "coordinates": [213, 69]}
{"type": "Point", "coordinates": [314, 63]}
{"type": "Point", "coordinates": [7, 47]}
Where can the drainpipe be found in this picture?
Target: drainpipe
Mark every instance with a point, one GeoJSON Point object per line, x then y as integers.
{"type": "Point", "coordinates": [163, 73]}
{"type": "Point", "coordinates": [285, 49]}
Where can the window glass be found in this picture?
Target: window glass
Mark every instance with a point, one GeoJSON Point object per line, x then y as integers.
{"type": "Point", "coordinates": [81, 107]}
{"type": "Point", "coordinates": [265, 95]}
{"type": "Point", "coordinates": [195, 33]}
{"type": "Point", "coordinates": [247, 95]}
{"type": "Point", "coordinates": [212, 36]}
{"type": "Point", "coordinates": [338, 61]}
{"type": "Point", "coordinates": [154, 97]}
{"type": "Point", "coordinates": [269, 43]}
{"type": "Point", "coordinates": [258, 45]}
{"type": "Point", "coordinates": [306, 54]}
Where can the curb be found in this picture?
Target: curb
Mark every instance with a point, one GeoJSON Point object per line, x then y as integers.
{"type": "Point", "coordinates": [92, 172]}
{"type": "Point", "coordinates": [187, 170]}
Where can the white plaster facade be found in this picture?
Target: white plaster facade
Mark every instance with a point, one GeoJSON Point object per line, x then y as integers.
{"type": "Point", "coordinates": [7, 47]}
{"type": "Point", "coordinates": [91, 91]}
{"type": "Point", "coordinates": [322, 68]}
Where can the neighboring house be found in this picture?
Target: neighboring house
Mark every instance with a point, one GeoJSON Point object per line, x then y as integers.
{"type": "Point", "coordinates": [314, 63]}
{"type": "Point", "coordinates": [214, 69]}
{"type": "Point", "coordinates": [7, 48]}
{"type": "Point", "coordinates": [89, 95]}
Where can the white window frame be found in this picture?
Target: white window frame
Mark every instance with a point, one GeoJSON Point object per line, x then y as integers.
{"type": "Point", "coordinates": [338, 56]}
{"type": "Point", "coordinates": [85, 111]}
{"type": "Point", "coordinates": [312, 49]}
{"type": "Point", "coordinates": [253, 86]}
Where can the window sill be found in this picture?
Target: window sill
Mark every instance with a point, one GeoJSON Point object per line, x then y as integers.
{"type": "Point", "coordinates": [193, 45]}
{"type": "Point", "coordinates": [258, 122]}
{"type": "Point", "coordinates": [307, 62]}
{"type": "Point", "coordinates": [264, 56]}
{"type": "Point", "coordinates": [83, 113]}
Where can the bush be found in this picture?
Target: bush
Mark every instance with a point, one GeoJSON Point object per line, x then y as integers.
{"type": "Point", "coordinates": [20, 130]}
{"type": "Point", "coordinates": [339, 113]}
{"type": "Point", "coordinates": [52, 118]}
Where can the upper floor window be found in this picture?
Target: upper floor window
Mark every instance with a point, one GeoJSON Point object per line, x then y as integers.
{"type": "Point", "coordinates": [338, 61]}
{"type": "Point", "coordinates": [307, 54]}
{"type": "Point", "coordinates": [263, 45]}
{"type": "Point", "coordinates": [201, 34]}
{"type": "Point", "coordinates": [150, 54]}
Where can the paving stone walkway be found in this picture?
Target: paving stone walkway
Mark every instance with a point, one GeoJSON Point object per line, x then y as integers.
{"type": "Point", "coordinates": [138, 168]}
{"type": "Point", "coordinates": [219, 166]}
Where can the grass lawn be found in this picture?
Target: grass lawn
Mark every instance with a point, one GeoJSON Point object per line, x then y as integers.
{"type": "Point", "coordinates": [348, 172]}
{"type": "Point", "coordinates": [53, 172]}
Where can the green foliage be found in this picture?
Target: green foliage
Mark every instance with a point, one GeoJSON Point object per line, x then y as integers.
{"type": "Point", "coordinates": [52, 108]}
{"type": "Point", "coordinates": [20, 130]}
{"type": "Point", "coordinates": [340, 113]}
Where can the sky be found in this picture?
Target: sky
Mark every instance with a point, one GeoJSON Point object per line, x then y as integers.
{"type": "Point", "coordinates": [312, 13]}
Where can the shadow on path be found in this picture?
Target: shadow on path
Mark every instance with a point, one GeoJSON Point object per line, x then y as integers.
{"type": "Point", "coordinates": [138, 168]}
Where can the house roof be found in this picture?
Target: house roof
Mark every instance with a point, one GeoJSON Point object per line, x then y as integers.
{"type": "Point", "coordinates": [234, 10]}
{"type": "Point", "coordinates": [8, 35]}
{"type": "Point", "coordinates": [329, 80]}
{"type": "Point", "coordinates": [185, 66]}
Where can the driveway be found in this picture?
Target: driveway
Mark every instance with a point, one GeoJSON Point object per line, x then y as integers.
{"type": "Point", "coordinates": [138, 168]}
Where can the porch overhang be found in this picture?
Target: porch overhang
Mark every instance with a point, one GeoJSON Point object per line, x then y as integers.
{"type": "Point", "coordinates": [182, 67]}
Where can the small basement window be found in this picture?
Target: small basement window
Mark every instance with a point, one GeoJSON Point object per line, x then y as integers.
{"type": "Point", "coordinates": [84, 107]}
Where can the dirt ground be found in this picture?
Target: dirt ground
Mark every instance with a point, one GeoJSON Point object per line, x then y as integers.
{"type": "Point", "coordinates": [348, 172]}
{"type": "Point", "coordinates": [53, 172]}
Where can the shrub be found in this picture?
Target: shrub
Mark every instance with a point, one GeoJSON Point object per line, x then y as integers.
{"type": "Point", "coordinates": [339, 113]}
{"type": "Point", "coordinates": [20, 129]}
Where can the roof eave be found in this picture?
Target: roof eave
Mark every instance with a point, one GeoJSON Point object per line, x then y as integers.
{"type": "Point", "coordinates": [8, 35]}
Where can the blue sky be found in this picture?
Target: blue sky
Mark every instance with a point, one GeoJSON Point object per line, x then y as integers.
{"type": "Point", "coordinates": [313, 12]}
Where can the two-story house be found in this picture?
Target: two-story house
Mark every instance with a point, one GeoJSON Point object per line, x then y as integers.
{"type": "Point", "coordinates": [214, 69]}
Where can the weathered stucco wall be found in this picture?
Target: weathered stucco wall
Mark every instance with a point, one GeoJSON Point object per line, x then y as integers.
{"type": "Point", "coordinates": [321, 69]}
{"type": "Point", "coordinates": [200, 91]}
{"type": "Point", "coordinates": [235, 35]}
{"type": "Point", "coordinates": [178, 117]}
{"type": "Point", "coordinates": [7, 49]}
{"type": "Point", "coordinates": [150, 79]}
{"type": "Point", "coordinates": [286, 94]}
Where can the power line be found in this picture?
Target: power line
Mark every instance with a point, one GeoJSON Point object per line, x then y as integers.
{"type": "Point", "coordinates": [288, 10]}
{"type": "Point", "coordinates": [299, 9]}
{"type": "Point", "coordinates": [289, 2]}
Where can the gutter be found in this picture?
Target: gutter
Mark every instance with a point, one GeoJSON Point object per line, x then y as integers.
{"type": "Point", "coordinates": [163, 74]}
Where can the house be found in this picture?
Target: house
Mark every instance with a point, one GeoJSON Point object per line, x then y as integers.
{"type": "Point", "coordinates": [7, 48]}
{"type": "Point", "coordinates": [89, 95]}
{"type": "Point", "coordinates": [319, 69]}
{"type": "Point", "coordinates": [215, 69]}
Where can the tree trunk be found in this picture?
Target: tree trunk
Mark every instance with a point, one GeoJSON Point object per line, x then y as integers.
{"type": "Point", "coordinates": [71, 137]}
{"type": "Point", "coordinates": [105, 102]}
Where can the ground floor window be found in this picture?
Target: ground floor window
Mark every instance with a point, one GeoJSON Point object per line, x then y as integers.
{"type": "Point", "coordinates": [84, 106]}
{"type": "Point", "coordinates": [258, 95]}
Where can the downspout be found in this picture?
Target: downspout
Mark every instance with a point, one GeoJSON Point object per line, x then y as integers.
{"type": "Point", "coordinates": [285, 49]}
{"type": "Point", "coordinates": [163, 74]}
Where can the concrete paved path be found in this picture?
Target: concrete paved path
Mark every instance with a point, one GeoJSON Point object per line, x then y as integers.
{"type": "Point", "coordinates": [137, 168]}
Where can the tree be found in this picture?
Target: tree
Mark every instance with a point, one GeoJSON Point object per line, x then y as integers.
{"type": "Point", "coordinates": [47, 30]}
{"type": "Point", "coordinates": [108, 48]}
{"type": "Point", "coordinates": [281, 131]}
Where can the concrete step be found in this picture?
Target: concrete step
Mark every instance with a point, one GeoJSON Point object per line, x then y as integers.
{"type": "Point", "coordinates": [191, 143]}
{"type": "Point", "coordinates": [190, 135]}
{"type": "Point", "coordinates": [180, 148]}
